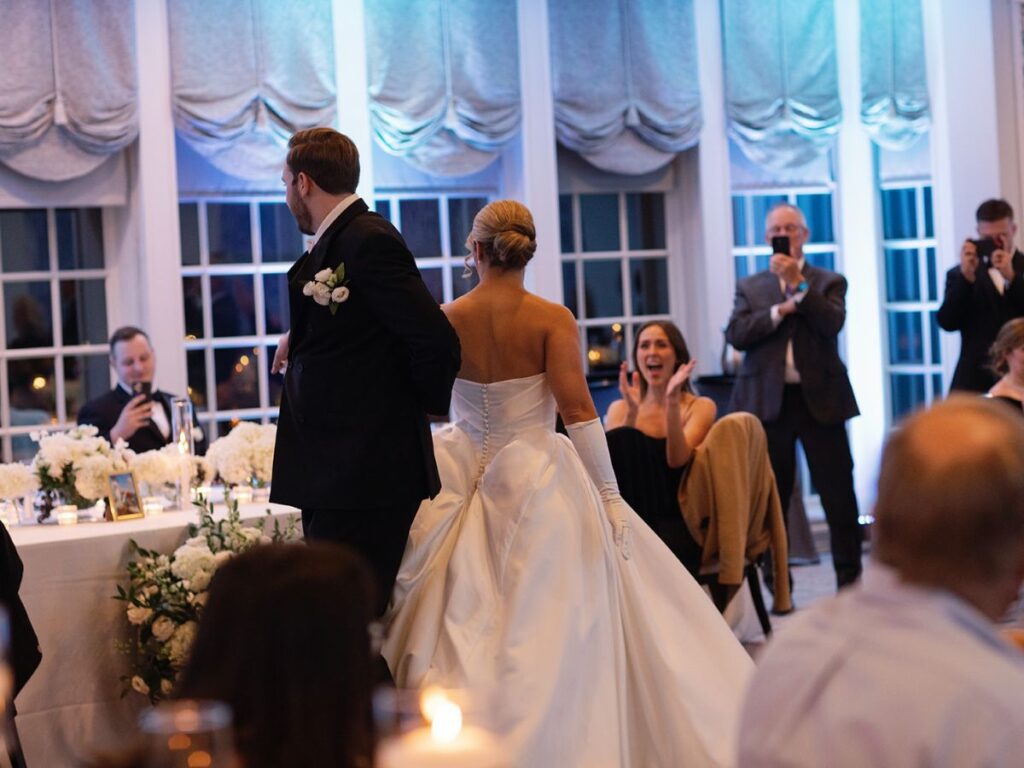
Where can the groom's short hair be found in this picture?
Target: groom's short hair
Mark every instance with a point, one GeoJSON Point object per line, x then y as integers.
{"type": "Point", "coordinates": [328, 157]}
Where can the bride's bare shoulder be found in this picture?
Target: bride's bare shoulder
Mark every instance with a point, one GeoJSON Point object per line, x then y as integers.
{"type": "Point", "coordinates": [549, 312]}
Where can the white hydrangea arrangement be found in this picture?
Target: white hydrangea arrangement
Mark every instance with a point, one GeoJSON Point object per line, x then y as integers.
{"type": "Point", "coordinates": [165, 466]}
{"type": "Point", "coordinates": [245, 456]}
{"type": "Point", "coordinates": [166, 594]}
{"type": "Point", "coordinates": [17, 481]}
{"type": "Point", "coordinates": [78, 463]}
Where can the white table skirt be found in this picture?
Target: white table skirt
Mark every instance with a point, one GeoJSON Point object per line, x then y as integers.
{"type": "Point", "coordinates": [72, 705]}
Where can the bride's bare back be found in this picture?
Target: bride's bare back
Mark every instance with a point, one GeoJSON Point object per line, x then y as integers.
{"type": "Point", "coordinates": [508, 333]}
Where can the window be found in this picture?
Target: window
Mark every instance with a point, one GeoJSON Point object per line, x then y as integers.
{"type": "Point", "coordinates": [435, 227]}
{"type": "Point", "coordinates": [750, 208]}
{"type": "Point", "coordinates": [614, 270]}
{"type": "Point", "coordinates": [234, 256]}
{"type": "Point", "coordinates": [913, 356]}
{"type": "Point", "coordinates": [54, 322]}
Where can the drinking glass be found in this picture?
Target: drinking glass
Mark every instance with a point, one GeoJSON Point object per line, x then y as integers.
{"type": "Point", "coordinates": [188, 734]}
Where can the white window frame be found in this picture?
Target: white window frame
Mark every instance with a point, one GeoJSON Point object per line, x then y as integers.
{"type": "Point", "coordinates": [58, 351]}
{"type": "Point", "coordinates": [627, 322]}
{"type": "Point", "coordinates": [923, 307]}
{"type": "Point", "coordinates": [449, 263]}
{"type": "Point", "coordinates": [261, 341]}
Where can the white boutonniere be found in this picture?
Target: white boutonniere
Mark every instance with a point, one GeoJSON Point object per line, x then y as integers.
{"type": "Point", "coordinates": [327, 288]}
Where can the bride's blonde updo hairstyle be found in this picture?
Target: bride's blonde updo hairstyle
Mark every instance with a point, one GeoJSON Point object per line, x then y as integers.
{"type": "Point", "coordinates": [506, 234]}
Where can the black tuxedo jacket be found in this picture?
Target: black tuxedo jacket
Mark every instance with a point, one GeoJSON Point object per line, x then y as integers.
{"type": "Point", "coordinates": [813, 329]}
{"type": "Point", "coordinates": [978, 311]}
{"type": "Point", "coordinates": [24, 653]}
{"type": "Point", "coordinates": [353, 430]}
{"type": "Point", "coordinates": [104, 411]}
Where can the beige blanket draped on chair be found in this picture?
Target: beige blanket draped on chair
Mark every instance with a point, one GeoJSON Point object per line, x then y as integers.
{"type": "Point", "coordinates": [731, 505]}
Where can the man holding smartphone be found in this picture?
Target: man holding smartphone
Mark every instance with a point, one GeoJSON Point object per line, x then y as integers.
{"type": "Point", "coordinates": [133, 410]}
{"type": "Point", "coordinates": [983, 292]}
{"type": "Point", "coordinates": [787, 319]}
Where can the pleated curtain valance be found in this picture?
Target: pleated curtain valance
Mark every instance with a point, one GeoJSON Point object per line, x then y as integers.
{"type": "Point", "coordinates": [246, 75]}
{"type": "Point", "coordinates": [625, 78]}
{"type": "Point", "coordinates": [444, 81]}
{"type": "Point", "coordinates": [781, 79]}
{"type": "Point", "coordinates": [68, 79]}
{"type": "Point", "coordinates": [894, 82]}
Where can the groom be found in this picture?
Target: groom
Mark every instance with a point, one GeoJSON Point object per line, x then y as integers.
{"type": "Point", "coordinates": [368, 355]}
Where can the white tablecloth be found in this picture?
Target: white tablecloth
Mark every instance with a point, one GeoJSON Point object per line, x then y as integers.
{"type": "Point", "coordinates": [72, 704]}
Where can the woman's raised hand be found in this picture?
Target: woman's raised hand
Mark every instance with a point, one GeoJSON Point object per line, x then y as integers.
{"type": "Point", "coordinates": [629, 388]}
{"type": "Point", "coordinates": [679, 378]}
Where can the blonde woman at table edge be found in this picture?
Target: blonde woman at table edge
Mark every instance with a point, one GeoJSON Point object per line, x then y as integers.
{"type": "Point", "coordinates": [529, 578]}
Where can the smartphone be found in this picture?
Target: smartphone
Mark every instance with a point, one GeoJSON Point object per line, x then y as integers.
{"type": "Point", "coordinates": [143, 388]}
{"type": "Point", "coordinates": [780, 244]}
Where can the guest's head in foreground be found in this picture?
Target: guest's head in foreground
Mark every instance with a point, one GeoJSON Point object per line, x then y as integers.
{"type": "Point", "coordinates": [321, 170]}
{"type": "Point", "coordinates": [284, 642]}
{"type": "Point", "coordinates": [907, 667]}
{"type": "Point", "coordinates": [503, 237]}
{"type": "Point", "coordinates": [658, 351]}
{"type": "Point", "coordinates": [950, 510]}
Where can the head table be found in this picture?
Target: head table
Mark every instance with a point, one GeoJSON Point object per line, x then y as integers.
{"type": "Point", "coordinates": [72, 705]}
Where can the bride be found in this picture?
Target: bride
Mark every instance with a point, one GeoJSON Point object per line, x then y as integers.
{"type": "Point", "coordinates": [529, 577]}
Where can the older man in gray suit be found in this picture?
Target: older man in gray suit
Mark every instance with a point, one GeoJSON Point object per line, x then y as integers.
{"type": "Point", "coordinates": [787, 319]}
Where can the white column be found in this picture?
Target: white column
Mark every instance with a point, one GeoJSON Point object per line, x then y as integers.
{"type": "Point", "coordinates": [531, 169]}
{"type": "Point", "coordinates": [154, 201]}
{"type": "Point", "coordinates": [859, 238]}
{"type": "Point", "coordinates": [350, 75]}
{"type": "Point", "coordinates": [964, 138]}
{"type": "Point", "coordinates": [1008, 53]}
{"type": "Point", "coordinates": [708, 256]}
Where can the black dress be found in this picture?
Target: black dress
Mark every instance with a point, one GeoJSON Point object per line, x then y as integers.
{"type": "Point", "coordinates": [651, 487]}
{"type": "Point", "coordinates": [1017, 405]}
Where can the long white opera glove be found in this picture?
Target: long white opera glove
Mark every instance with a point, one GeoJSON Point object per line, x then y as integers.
{"type": "Point", "coordinates": [592, 446]}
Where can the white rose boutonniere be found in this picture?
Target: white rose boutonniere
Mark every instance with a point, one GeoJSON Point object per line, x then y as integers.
{"type": "Point", "coordinates": [327, 288]}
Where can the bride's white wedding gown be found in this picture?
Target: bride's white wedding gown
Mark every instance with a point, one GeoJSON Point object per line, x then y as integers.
{"type": "Point", "coordinates": [511, 582]}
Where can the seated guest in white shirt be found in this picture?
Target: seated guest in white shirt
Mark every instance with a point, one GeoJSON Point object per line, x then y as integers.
{"type": "Point", "coordinates": [127, 412]}
{"type": "Point", "coordinates": [907, 668]}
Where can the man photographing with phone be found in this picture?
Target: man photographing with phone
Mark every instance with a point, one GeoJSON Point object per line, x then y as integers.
{"type": "Point", "coordinates": [133, 411]}
{"type": "Point", "coordinates": [983, 292]}
{"type": "Point", "coordinates": [787, 319]}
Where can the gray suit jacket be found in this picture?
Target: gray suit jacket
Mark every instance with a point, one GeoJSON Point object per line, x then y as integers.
{"type": "Point", "coordinates": [813, 329]}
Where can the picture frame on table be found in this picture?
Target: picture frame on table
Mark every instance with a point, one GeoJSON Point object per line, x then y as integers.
{"type": "Point", "coordinates": [124, 501]}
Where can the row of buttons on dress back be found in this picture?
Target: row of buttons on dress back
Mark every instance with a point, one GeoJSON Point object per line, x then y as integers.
{"type": "Point", "coordinates": [485, 447]}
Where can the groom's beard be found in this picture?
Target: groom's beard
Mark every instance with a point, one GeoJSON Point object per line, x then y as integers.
{"type": "Point", "coordinates": [303, 218]}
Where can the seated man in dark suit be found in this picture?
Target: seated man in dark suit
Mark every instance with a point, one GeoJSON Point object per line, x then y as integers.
{"type": "Point", "coordinates": [127, 412]}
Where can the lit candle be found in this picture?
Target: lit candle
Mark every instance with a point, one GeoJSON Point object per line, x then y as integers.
{"type": "Point", "coordinates": [242, 494]}
{"type": "Point", "coordinates": [444, 743]}
{"type": "Point", "coordinates": [67, 514]}
{"type": "Point", "coordinates": [151, 505]}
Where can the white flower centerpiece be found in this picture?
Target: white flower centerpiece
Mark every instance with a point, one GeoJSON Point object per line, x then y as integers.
{"type": "Point", "coordinates": [245, 456]}
{"type": "Point", "coordinates": [159, 471]}
{"type": "Point", "coordinates": [166, 594]}
{"type": "Point", "coordinates": [76, 465]}
{"type": "Point", "coordinates": [16, 482]}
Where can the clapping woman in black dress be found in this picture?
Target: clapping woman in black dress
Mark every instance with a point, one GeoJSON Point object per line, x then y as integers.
{"type": "Point", "coordinates": [653, 431]}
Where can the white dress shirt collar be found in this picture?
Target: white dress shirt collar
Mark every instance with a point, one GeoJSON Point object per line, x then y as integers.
{"type": "Point", "coordinates": [329, 219]}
